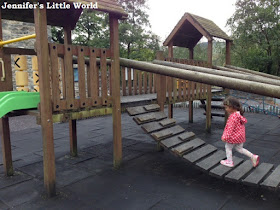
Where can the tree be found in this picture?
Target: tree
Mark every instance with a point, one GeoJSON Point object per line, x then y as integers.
{"type": "Point", "coordinates": [92, 29]}
{"type": "Point", "coordinates": [255, 26]}
{"type": "Point", "coordinates": [137, 41]}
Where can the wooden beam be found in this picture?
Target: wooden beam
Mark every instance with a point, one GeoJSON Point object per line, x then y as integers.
{"type": "Point", "coordinates": [40, 20]}
{"type": "Point", "coordinates": [72, 123]}
{"type": "Point", "coordinates": [221, 72]}
{"type": "Point", "coordinates": [6, 146]}
{"type": "Point", "coordinates": [114, 44]}
{"type": "Point", "coordinates": [220, 81]}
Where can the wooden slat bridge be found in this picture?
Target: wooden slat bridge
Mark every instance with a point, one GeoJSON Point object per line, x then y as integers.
{"type": "Point", "coordinates": [206, 157]}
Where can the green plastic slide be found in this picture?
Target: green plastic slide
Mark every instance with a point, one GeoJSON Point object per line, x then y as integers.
{"type": "Point", "coordinates": [17, 100]}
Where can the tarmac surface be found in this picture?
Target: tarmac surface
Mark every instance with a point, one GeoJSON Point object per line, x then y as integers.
{"type": "Point", "coordinates": [148, 179]}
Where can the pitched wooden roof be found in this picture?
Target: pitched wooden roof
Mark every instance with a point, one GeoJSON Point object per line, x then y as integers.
{"type": "Point", "coordinates": [61, 17]}
{"type": "Point", "coordinates": [190, 29]}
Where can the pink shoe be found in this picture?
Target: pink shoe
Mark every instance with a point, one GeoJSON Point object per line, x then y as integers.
{"type": "Point", "coordinates": [227, 163]}
{"type": "Point", "coordinates": [255, 160]}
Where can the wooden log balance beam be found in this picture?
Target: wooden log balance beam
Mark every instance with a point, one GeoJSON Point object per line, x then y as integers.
{"type": "Point", "coordinates": [248, 77]}
{"type": "Point", "coordinates": [253, 72]}
{"type": "Point", "coordinates": [210, 79]}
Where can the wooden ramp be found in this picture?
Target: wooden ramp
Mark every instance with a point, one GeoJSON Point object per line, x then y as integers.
{"type": "Point", "coordinates": [206, 157]}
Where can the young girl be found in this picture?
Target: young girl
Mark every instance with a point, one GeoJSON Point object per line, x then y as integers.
{"type": "Point", "coordinates": [234, 133]}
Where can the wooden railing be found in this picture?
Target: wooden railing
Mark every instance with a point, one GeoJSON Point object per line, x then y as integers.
{"type": "Point", "coordinates": [135, 82]}
{"type": "Point", "coordinates": [183, 90]}
{"type": "Point", "coordinates": [94, 83]}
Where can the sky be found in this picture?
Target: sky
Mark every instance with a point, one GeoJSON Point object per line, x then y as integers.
{"type": "Point", "coordinates": [165, 14]}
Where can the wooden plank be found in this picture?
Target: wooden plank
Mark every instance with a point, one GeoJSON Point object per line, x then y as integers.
{"type": "Point", "coordinates": [123, 81]}
{"type": "Point", "coordinates": [171, 142]}
{"type": "Point", "coordinates": [180, 89]}
{"type": "Point", "coordinates": [152, 107]}
{"type": "Point", "coordinates": [188, 146]}
{"type": "Point", "coordinates": [169, 88]}
{"type": "Point", "coordinates": [150, 82]}
{"type": "Point", "coordinates": [175, 92]}
{"type": "Point", "coordinates": [220, 171]}
{"type": "Point", "coordinates": [272, 182]}
{"type": "Point", "coordinates": [82, 80]}
{"type": "Point", "coordinates": [6, 146]}
{"type": "Point", "coordinates": [129, 82]}
{"type": "Point", "coordinates": [55, 77]}
{"type": "Point", "coordinates": [145, 82]}
{"type": "Point", "coordinates": [69, 77]}
{"type": "Point", "coordinates": [167, 122]}
{"type": "Point", "coordinates": [103, 67]}
{"type": "Point", "coordinates": [144, 118]}
{"type": "Point", "coordinates": [185, 90]}
{"type": "Point", "coordinates": [163, 134]}
{"type": "Point", "coordinates": [136, 110]}
{"type": "Point", "coordinates": [211, 161]}
{"type": "Point", "coordinates": [258, 174]}
{"type": "Point", "coordinates": [238, 173]}
{"type": "Point", "coordinates": [156, 126]}
{"type": "Point", "coordinates": [94, 77]}
{"type": "Point", "coordinates": [189, 90]}
{"type": "Point", "coordinates": [186, 136]}
{"type": "Point", "coordinates": [200, 153]}
{"type": "Point", "coordinates": [135, 81]}
{"type": "Point", "coordinates": [151, 127]}
{"type": "Point", "coordinates": [140, 81]}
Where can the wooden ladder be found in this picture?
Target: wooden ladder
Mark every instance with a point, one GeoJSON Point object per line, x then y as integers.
{"type": "Point", "coordinates": [206, 157]}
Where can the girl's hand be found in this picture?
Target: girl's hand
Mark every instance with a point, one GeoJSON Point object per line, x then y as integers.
{"type": "Point", "coordinates": [223, 140]}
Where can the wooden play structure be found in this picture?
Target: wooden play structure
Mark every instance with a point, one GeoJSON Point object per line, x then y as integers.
{"type": "Point", "coordinates": [104, 77]}
{"type": "Point", "coordinates": [65, 106]}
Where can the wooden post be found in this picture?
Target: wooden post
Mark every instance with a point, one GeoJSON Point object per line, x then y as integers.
{"type": "Point", "coordinates": [161, 85]}
{"type": "Point", "coordinates": [40, 20]}
{"type": "Point", "coordinates": [114, 44]}
{"type": "Point", "coordinates": [190, 101]}
{"type": "Point", "coordinates": [228, 48]}
{"type": "Point", "coordinates": [208, 109]}
{"type": "Point", "coordinates": [72, 123]}
{"type": "Point", "coordinates": [209, 92]}
{"type": "Point", "coordinates": [6, 146]}
{"type": "Point", "coordinates": [191, 53]}
{"type": "Point", "coordinates": [210, 53]}
{"type": "Point", "coordinates": [170, 106]}
{"type": "Point", "coordinates": [4, 122]}
{"type": "Point", "coordinates": [228, 62]}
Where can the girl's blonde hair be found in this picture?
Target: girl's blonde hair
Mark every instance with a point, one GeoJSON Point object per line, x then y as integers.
{"type": "Point", "coordinates": [234, 103]}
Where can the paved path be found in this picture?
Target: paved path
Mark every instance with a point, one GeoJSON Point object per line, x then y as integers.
{"type": "Point", "coordinates": [147, 180]}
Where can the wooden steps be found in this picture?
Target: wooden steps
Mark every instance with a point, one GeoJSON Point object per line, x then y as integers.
{"type": "Point", "coordinates": [206, 157]}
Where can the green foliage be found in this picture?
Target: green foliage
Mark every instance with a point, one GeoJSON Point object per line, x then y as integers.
{"type": "Point", "coordinates": [92, 29]}
{"type": "Point", "coordinates": [136, 40]}
{"type": "Point", "coordinates": [255, 27]}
